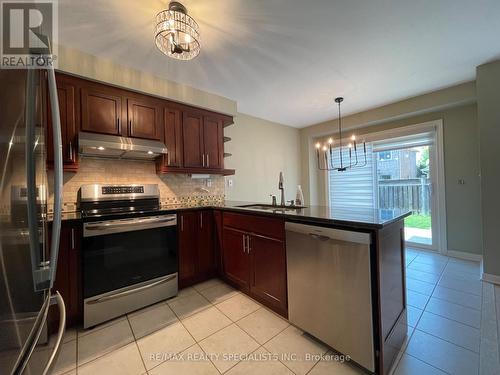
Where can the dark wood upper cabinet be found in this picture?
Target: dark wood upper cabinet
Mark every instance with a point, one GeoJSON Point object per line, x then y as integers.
{"type": "Point", "coordinates": [68, 96]}
{"type": "Point", "coordinates": [213, 135]}
{"type": "Point", "coordinates": [144, 119]}
{"type": "Point", "coordinates": [101, 110]}
{"type": "Point", "coordinates": [194, 137]}
{"type": "Point", "coordinates": [235, 258]}
{"type": "Point", "coordinates": [172, 127]}
{"type": "Point", "coordinates": [192, 131]}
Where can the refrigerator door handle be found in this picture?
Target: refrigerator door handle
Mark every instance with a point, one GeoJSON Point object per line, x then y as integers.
{"type": "Point", "coordinates": [32, 339]}
{"type": "Point", "coordinates": [57, 299]}
{"type": "Point", "coordinates": [58, 173]}
{"type": "Point", "coordinates": [41, 272]}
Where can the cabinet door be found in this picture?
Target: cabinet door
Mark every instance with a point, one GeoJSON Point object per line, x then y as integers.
{"type": "Point", "coordinates": [268, 271]}
{"type": "Point", "coordinates": [143, 119]}
{"type": "Point", "coordinates": [235, 258]}
{"type": "Point", "coordinates": [173, 138]}
{"type": "Point", "coordinates": [192, 130]}
{"type": "Point", "coordinates": [213, 141]}
{"type": "Point", "coordinates": [101, 110]}
{"type": "Point", "coordinates": [206, 249]}
{"type": "Point", "coordinates": [188, 231]}
{"type": "Point", "coordinates": [67, 281]}
{"type": "Point", "coordinates": [67, 97]}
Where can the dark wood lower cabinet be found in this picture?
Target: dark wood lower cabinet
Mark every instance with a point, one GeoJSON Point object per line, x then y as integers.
{"type": "Point", "coordinates": [188, 228]}
{"type": "Point", "coordinates": [206, 246]}
{"type": "Point", "coordinates": [254, 258]}
{"type": "Point", "coordinates": [268, 276]}
{"type": "Point", "coordinates": [236, 261]}
{"type": "Point", "coordinates": [68, 275]}
{"type": "Point", "coordinates": [196, 247]}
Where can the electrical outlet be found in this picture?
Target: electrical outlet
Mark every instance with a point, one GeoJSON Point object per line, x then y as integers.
{"type": "Point", "coordinates": [229, 182]}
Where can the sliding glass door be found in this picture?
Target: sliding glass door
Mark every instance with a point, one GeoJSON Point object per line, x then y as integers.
{"type": "Point", "coordinates": [400, 174]}
{"type": "Point", "coordinates": [404, 180]}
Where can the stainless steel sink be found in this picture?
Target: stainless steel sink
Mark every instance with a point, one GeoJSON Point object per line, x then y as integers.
{"type": "Point", "coordinates": [270, 207]}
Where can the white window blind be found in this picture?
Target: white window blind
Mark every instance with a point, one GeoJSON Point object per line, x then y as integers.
{"type": "Point", "coordinates": [416, 140]}
{"type": "Point", "coordinates": [354, 187]}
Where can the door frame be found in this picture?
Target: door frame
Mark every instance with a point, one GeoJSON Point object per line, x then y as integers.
{"type": "Point", "coordinates": [439, 191]}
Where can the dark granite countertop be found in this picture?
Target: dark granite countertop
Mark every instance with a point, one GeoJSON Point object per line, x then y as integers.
{"type": "Point", "coordinates": [354, 217]}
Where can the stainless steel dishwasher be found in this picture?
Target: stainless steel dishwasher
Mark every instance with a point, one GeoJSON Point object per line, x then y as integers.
{"type": "Point", "coordinates": [329, 288]}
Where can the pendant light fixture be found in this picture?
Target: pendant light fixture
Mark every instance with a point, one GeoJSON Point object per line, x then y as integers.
{"type": "Point", "coordinates": [325, 153]}
{"type": "Point", "coordinates": [177, 35]}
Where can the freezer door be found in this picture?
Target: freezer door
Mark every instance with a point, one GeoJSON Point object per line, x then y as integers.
{"type": "Point", "coordinates": [22, 225]}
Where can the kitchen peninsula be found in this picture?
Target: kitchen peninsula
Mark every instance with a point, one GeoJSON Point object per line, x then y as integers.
{"type": "Point", "coordinates": [247, 245]}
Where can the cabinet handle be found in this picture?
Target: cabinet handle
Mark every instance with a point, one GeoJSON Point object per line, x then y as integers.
{"type": "Point", "coordinates": [244, 244]}
{"type": "Point", "coordinates": [201, 220]}
{"type": "Point", "coordinates": [73, 238]}
{"type": "Point", "coordinates": [118, 124]}
{"type": "Point", "coordinates": [182, 223]}
{"type": "Point", "coordinates": [168, 158]}
{"type": "Point", "coordinates": [70, 149]}
{"type": "Point", "coordinates": [203, 156]}
{"type": "Point", "coordinates": [208, 161]}
{"type": "Point", "coordinates": [248, 244]}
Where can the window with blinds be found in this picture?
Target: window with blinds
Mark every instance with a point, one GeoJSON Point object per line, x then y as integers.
{"type": "Point", "coordinates": [354, 187]}
{"type": "Point", "coordinates": [357, 187]}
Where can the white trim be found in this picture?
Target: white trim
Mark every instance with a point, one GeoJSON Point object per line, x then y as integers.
{"type": "Point", "coordinates": [441, 191]}
{"type": "Point", "coordinates": [488, 277]}
{"type": "Point", "coordinates": [464, 255]}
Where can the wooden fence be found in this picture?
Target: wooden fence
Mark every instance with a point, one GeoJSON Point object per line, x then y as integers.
{"type": "Point", "coordinates": [411, 194]}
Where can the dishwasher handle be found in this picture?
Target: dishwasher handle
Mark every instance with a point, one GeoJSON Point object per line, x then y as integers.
{"type": "Point", "coordinates": [321, 233]}
{"type": "Point", "coordinates": [319, 237]}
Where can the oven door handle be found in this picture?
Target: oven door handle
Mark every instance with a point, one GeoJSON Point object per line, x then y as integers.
{"type": "Point", "coordinates": [131, 291]}
{"type": "Point", "coordinates": [128, 225]}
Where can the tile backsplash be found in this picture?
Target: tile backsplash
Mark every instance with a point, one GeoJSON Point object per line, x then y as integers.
{"type": "Point", "coordinates": [174, 188]}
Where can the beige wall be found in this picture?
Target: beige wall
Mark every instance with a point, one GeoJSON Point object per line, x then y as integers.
{"type": "Point", "coordinates": [261, 149]}
{"type": "Point", "coordinates": [488, 101]}
{"type": "Point", "coordinates": [461, 154]}
{"type": "Point", "coordinates": [89, 66]}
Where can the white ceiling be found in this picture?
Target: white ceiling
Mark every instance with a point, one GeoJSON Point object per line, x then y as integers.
{"type": "Point", "coordinates": [285, 60]}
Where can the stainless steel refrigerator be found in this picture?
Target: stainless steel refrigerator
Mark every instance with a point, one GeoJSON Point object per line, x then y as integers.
{"type": "Point", "coordinates": [27, 261]}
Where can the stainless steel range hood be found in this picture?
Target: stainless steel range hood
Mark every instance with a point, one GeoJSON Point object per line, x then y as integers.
{"type": "Point", "coordinates": [116, 147]}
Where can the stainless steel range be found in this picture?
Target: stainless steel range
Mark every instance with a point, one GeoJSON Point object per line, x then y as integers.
{"type": "Point", "coordinates": [129, 250]}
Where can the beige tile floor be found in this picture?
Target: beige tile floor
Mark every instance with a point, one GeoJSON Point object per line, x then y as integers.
{"type": "Point", "coordinates": [213, 329]}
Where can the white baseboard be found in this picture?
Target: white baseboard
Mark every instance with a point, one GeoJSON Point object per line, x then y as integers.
{"type": "Point", "coordinates": [464, 255]}
{"type": "Point", "coordinates": [494, 279]}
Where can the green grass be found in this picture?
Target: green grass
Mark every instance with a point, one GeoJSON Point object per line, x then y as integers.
{"type": "Point", "coordinates": [418, 221]}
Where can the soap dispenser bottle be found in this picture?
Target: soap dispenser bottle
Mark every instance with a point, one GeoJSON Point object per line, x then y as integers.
{"type": "Point", "coordinates": [299, 198]}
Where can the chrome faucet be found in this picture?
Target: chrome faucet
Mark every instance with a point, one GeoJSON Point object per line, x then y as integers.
{"type": "Point", "coordinates": [280, 186]}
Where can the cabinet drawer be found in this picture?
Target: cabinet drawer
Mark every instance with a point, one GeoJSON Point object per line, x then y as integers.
{"type": "Point", "coordinates": [263, 225]}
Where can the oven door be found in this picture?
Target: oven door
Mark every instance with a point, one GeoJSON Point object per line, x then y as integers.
{"type": "Point", "coordinates": [121, 253]}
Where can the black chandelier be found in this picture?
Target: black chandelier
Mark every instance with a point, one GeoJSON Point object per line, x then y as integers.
{"type": "Point", "coordinates": [325, 153]}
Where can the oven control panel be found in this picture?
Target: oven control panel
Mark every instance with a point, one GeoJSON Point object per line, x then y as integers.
{"type": "Point", "coordinates": [122, 190]}
{"type": "Point", "coordinates": [97, 193]}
